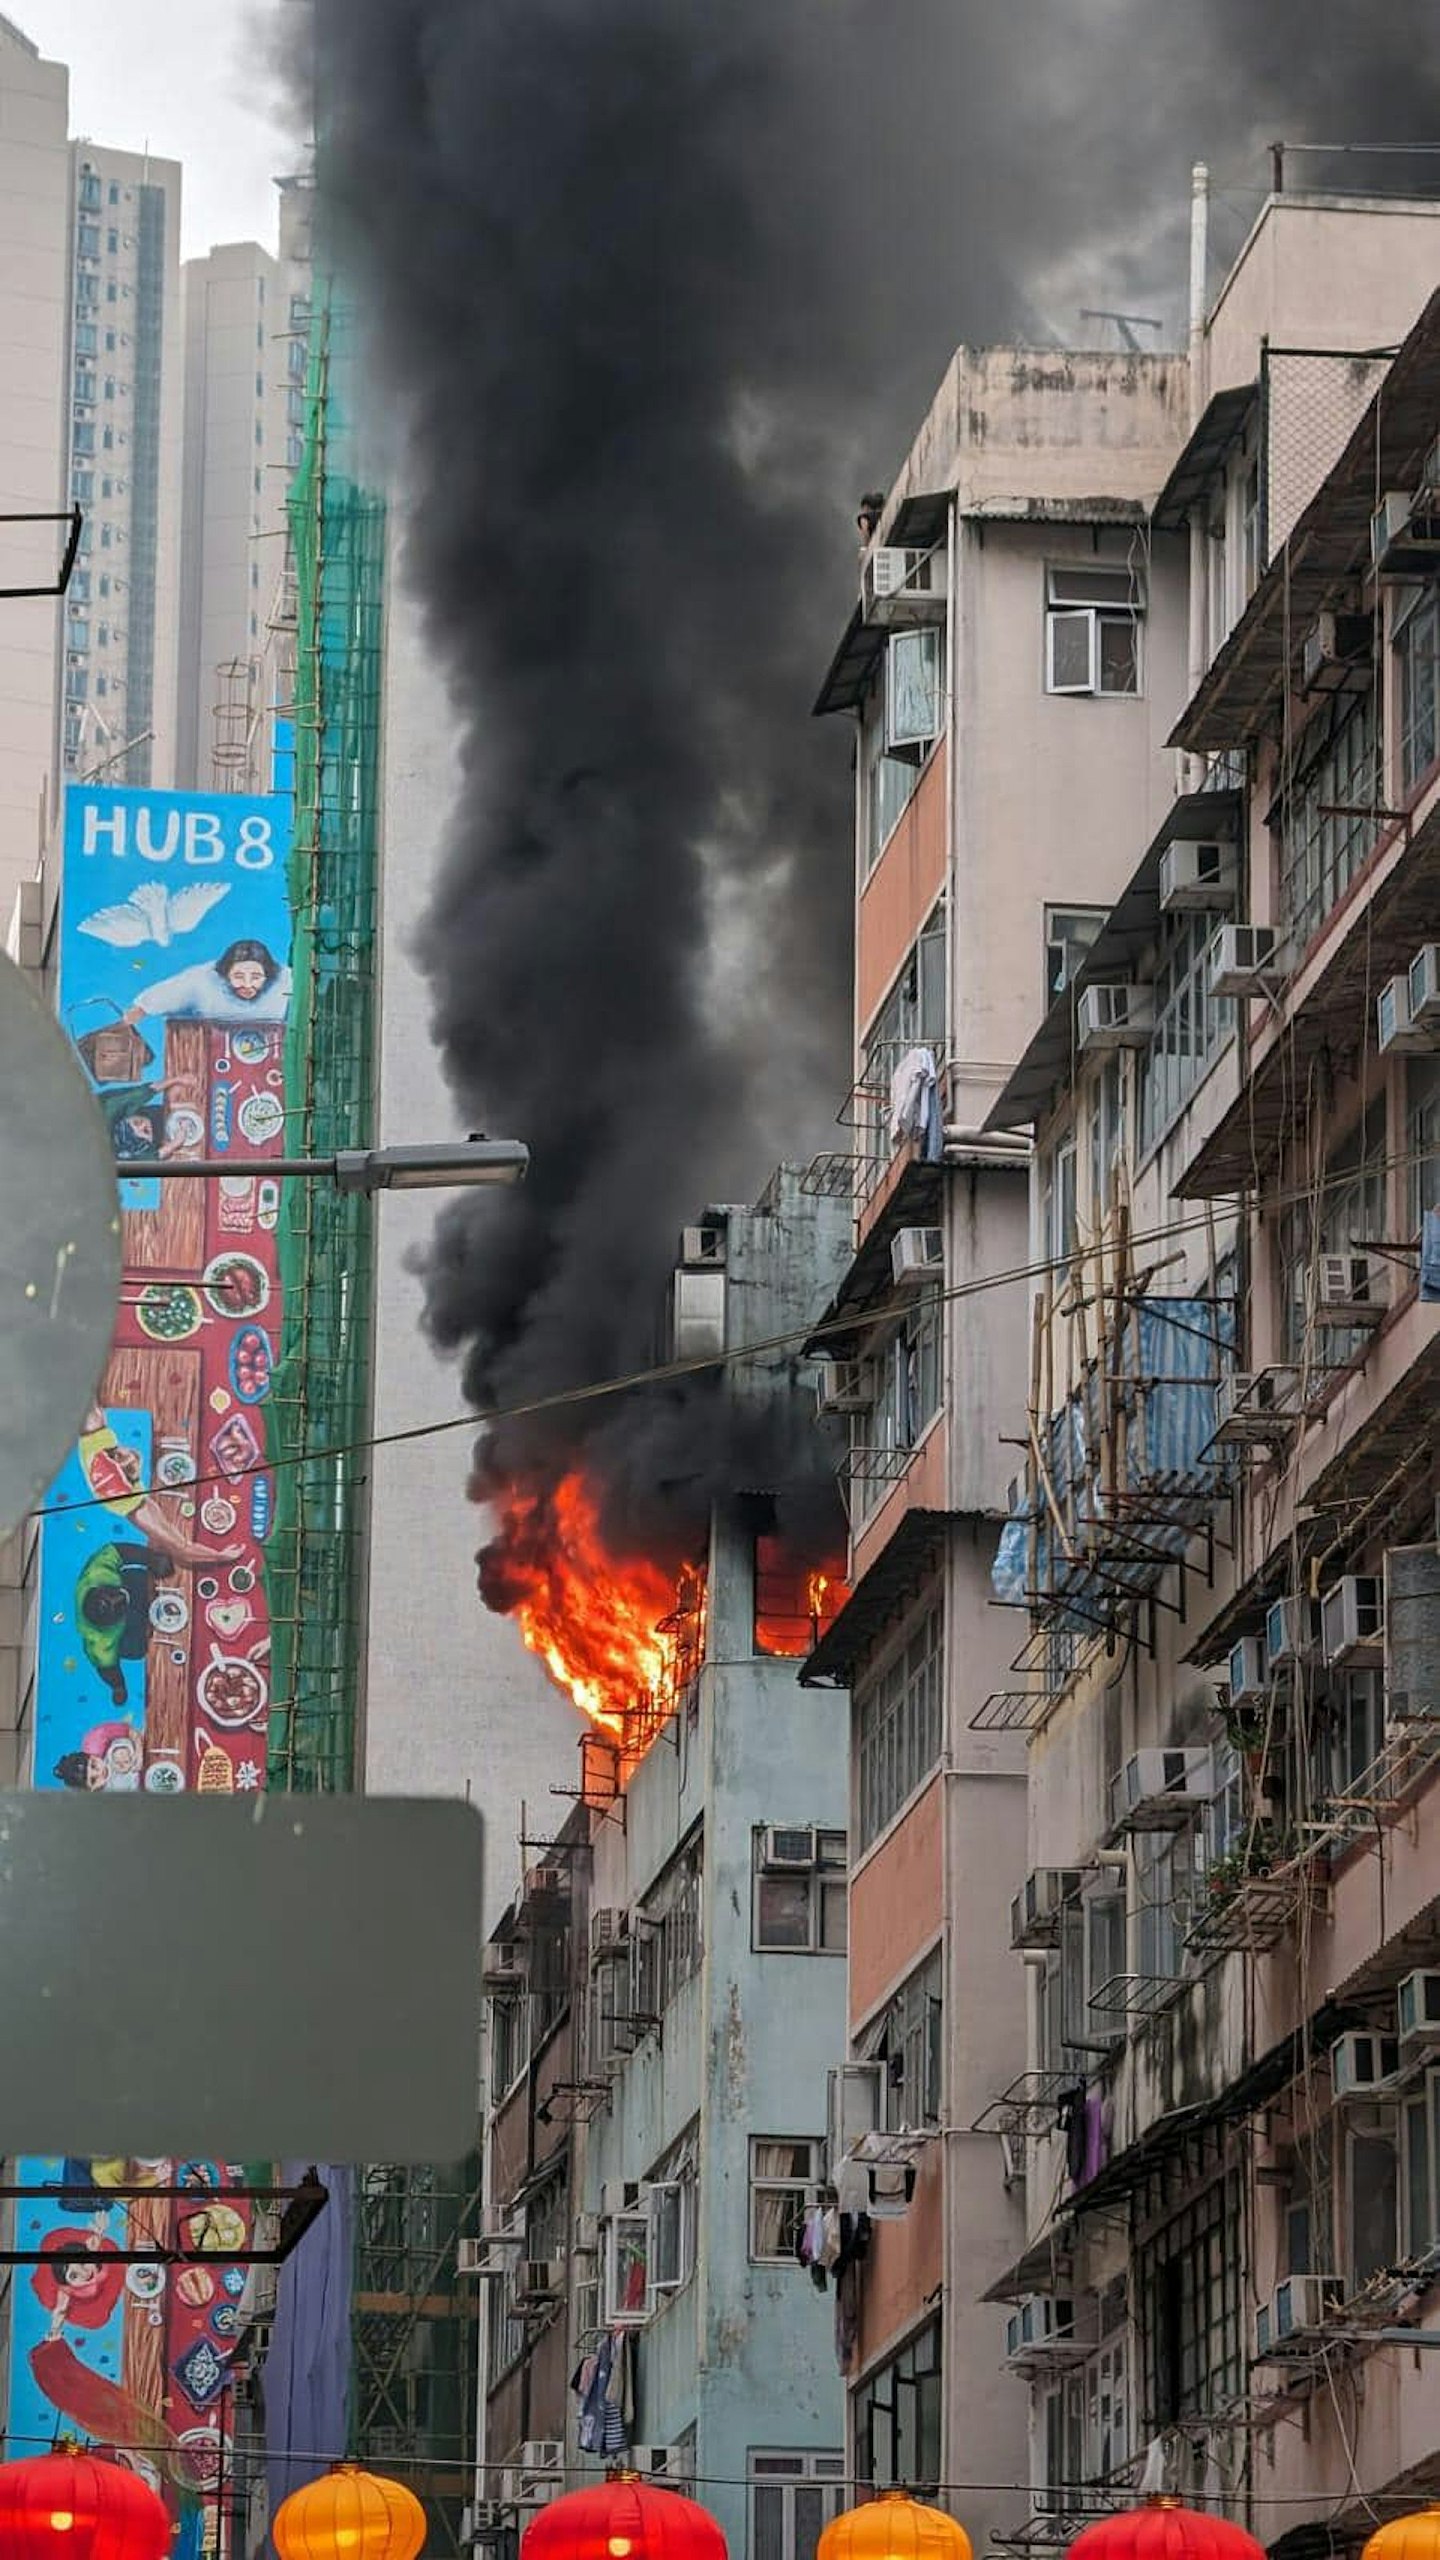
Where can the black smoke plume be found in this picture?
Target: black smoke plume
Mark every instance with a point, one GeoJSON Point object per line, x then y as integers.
{"type": "Point", "coordinates": [657, 289]}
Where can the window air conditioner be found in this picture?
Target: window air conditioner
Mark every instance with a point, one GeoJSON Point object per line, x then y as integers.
{"type": "Point", "coordinates": [1243, 961]}
{"type": "Point", "coordinates": [1336, 653]}
{"type": "Point", "coordinates": [541, 2280]}
{"type": "Point", "coordinates": [587, 2234]}
{"type": "Point", "coordinates": [1405, 532]}
{"type": "Point", "coordinates": [1040, 2317]}
{"type": "Point", "coordinates": [1397, 1034]}
{"type": "Point", "coordinates": [542, 2453]}
{"type": "Point", "coordinates": [899, 586]}
{"type": "Point", "coordinates": [1388, 526]}
{"type": "Point", "coordinates": [1352, 1619]}
{"type": "Point", "coordinates": [1295, 2311]}
{"type": "Point", "coordinates": [703, 1248]}
{"type": "Point", "coordinates": [1417, 2011]}
{"type": "Point", "coordinates": [843, 1386]}
{"type": "Point", "coordinates": [916, 1254]}
{"type": "Point", "coordinates": [1198, 877]}
{"type": "Point", "coordinates": [789, 1847]}
{"type": "Point", "coordinates": [473, 2258]}
{"type": "Point", "coordinates": [609, 1933]}
{"type": "Point", "coordinates": [501, 1967]}
{"type": "Point", "coordinates": [617, 2196]}
{"type": "Point", "coordinates": [1361, 2064]}
{"type": "Point", "coordinates": [1158, 1790]}
{"type": "Point", "coordinates": [1291, 1632]}
{"type": "Point", "coordinates": [1412, 1634]}
{"type": "Point", "coordinates": [1261, 1405]}
{"type": "Point", "coordinates": [495, 2226]}
{"type": "Point", "coordinates": [1249, 1684]}
{"type": "Point", "coordinates": [1115, 1017]}
{"type": "Point", "coordinates": [1423, 976]}
{"type": "Point", "coordinates": [1349, 1290]}
{"type": "Point", "coordinates": [1035, 1910]}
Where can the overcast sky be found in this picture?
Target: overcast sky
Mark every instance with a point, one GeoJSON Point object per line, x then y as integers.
{"type": "Point", "coordinates": [189, 79]}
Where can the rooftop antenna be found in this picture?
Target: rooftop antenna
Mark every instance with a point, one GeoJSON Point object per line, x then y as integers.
{"type": "Point", "coordinates": [1127, 322]}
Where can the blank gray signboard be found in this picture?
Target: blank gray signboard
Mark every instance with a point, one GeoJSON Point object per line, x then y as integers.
{"type": "Point", "coordinates": [283, 1977]}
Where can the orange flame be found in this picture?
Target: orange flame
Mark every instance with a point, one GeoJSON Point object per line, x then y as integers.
{"type": "Point", "coordinates": [594, 1618]}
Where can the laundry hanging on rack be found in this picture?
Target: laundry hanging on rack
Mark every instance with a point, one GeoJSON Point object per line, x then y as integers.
{"type": "Point", "coordinates": [604, 2385]}
{"type": "Point", "coordinates": [915, 1103]}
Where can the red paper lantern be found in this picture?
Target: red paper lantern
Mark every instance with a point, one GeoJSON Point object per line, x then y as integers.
{"type": "Point", "coordinates": [1164, 2530]}
{"type": "Point", "coordinates": [623, 2520]}
{"type": "Point", "coordinates": [70, 2506]}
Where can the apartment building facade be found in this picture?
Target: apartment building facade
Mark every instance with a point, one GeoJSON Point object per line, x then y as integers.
{"type": "Point", "coordinates": [656, 2141]}
{"type": "Point", "coordinates": [1222, 1549]}
{"type": "Point", "coordinates": [1011, 671]}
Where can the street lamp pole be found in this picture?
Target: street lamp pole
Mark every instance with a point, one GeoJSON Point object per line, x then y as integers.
{"type": "Point", "coordinates": [457, 1164]}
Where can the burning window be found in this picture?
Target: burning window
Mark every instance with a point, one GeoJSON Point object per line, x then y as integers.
{"type": "Point", "coordinates": [795, 1601]}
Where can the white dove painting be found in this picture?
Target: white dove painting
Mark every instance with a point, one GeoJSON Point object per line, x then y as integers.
{"type": "Point", "coordinates": [153, 913]}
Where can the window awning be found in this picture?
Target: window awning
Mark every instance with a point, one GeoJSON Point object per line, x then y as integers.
{"type": "Point", "coordinates": [1129, 929]}
{"type": "Point", "coordinates": [1212, 438]}
{"type": "Point", "coordinates": [899, 1572]}
{"type": "Point", "coordinates": [917, 525]}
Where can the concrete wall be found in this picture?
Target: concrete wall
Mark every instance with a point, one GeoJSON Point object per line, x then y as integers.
{"type": "Point", "coordinates": [1322, 271]}
{"type": "Point", "coordinates": [455, 1706]}
{"type": "Point", "coordinates": [34, 274]}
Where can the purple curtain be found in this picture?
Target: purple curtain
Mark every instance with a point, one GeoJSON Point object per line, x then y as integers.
{"type": "Point", "coordinates": [307, 2371]}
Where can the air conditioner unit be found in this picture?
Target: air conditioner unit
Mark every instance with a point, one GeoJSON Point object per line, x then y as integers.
{"type": "Point", "coordinates": [1361, 2064]}
{"type": "Point", "coordinates": [1259, 1405]}
{"type": "Point", "coordinates": [542, 2453]}
{"type": "Point", "coordinates": [1035, 1910]}
{"type": "Point", "coordinates": [1412, 1634]}
{"type": "Point", "coordinates": [495, 2227]}
{"type": "Point", "coordinates": [1114, 1017]}
{"type": "Point", "coordinates": [545, 1884]}
{"type": "Point", "coordinates": [1350, 1290]}
{"type": "Point", "coordinates": [1295, 2312]}
{"type": "Point", "coordinates": [1045, 2333]}
{"type": "Point", "coordinates": [903, 586]}
{"type": "Point", "coordinates": [1158, 1790]}
{"type": "Point", "coordinates": [843, 1386]}
{"type": "Point", "coordinates": [1291, 1632]}
{"type": "Point", "coordinates": [1249, 1679]}
{"type": "Point", "coordinates": [1405, 533]}
{"type": "Point", "coordinates": [1336, 653]}
{"type": "Point", "coordinates": [1423, 978]}
{"type": "Point", "coordinates": [485, 2521]}
{"type": "Point", "coordinates": [791, 1845]}
{"type": "Point", "coordinates": [609, 1933]}
{"type": "Point", "coordinates": [1397, 1034]}
{"type": "Point", "coordinates": [617, 2196]}
{"type": "Point", "coordinates": [1242, 961]}
{"type": "Point", "coordinates": [1417, 2011]}
{"type": "Point", "coordinates": [472, 2257]}
{"type": "Point", "coordinates": [587, 2234]}
{"type": "Point", "coordinates": [501, 1968]}
{"type": "Point", "coordinates": [1352, 1619]}
{"type": "Point", "coordinates": [664, 2462]}
{"type": "Point", "coordinates": [541, 2280]}
{"type": "Point", "coordinates": [703, 1248]}
{"type": "Point", "coordinates": [916, 1254]}
{"type": "Point", "coordinates": [1198, 877]}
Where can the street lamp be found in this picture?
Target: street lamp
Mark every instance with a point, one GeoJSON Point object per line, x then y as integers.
{"type": "Point", "coordinates": [451, 1164]}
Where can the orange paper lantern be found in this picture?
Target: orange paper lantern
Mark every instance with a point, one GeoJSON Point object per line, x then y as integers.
{"type": "Point", "coordinates": [71, 2506]}
{"type": "Point", "coordinates": [350, 2514]}
{"type": "Point", "coordinates": [620, 2519]}
{"type": "Point", "coordinates": [1413, 2537]}
{"type": "Point", "coordinates": [1165, 2530]}
{"type": "Point", "coordinates": [894, 2526]}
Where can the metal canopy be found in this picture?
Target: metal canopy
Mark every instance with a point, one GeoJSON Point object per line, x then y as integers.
{"type": "Point", "coordinates": [868, 1285]}
{"type": "Point", "coordinates": [1327, 551]}
{"type": "Point", "coordinates": [1328, 1030]}
{"type": "Point", "coordinates": [917, 525]}
{"type": "Point", "coordinates": [1128, 930]}
{"type": "Point", "coordinates": [898, 1571]}
{"type": "Point", "coordinates": [1223, 423]}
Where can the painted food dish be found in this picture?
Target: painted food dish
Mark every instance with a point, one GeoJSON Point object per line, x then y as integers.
{"type": "Point", "coordinates": [169, 1612]}
{"type": "Point", "coordinates": [231, 1691]}
{"type": "Point", "coordinates": [250, 1364]}
{"type": "Point", "coordinates": [176, 1466]}
{"type": "Point", "coordinates": [168, 1311]}
{"type": "Point", "coordinates": [235, 1284]}
{"type": "Point", "coordinates": [261, 1118]}
{"type": "Point", "coordinates": [250, 1047]}
{"type": "Point", "coordinates": [184, 1127]}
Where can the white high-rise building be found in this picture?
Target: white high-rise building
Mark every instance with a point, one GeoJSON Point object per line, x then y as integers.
{"type": "Point", "coordinates": [123, 431]}
{"type": "Point", "coordinates": [34, 223]}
